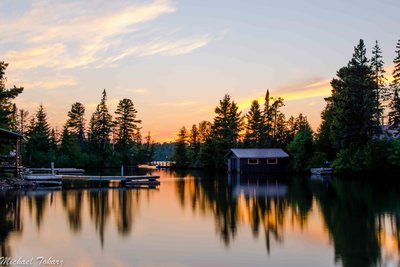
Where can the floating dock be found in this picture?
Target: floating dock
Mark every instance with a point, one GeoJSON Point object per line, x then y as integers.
{"type": "Point", "coordinates": [127, 181]}
{"type": "Point", "coordinates": [57, 170]}
{"type": "Point", "coordinates": [71, 177]}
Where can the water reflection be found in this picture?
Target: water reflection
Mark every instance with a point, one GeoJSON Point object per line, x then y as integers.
{"type": "Point", "coordinates": [362, 218]}
{"type": "Point", "coordinates": [354, 212]}
{"type": "Point", "coordinates": [359, 219]}
{"type": "Point", "coordinates": [10, 220]}
{"type": "Point", "coordinates": [72, 201]}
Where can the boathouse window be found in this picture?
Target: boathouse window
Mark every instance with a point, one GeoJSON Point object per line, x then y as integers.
{"type": "Point", "coordinates": [252, 161]}
{"type": "Point", "coordinates": [272, 161]}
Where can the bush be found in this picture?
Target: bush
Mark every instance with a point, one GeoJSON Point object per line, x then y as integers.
{"type": "Point", "coordinates": [373, 157]}
{"type": "Point", "coordinates": [394, 154]}
{"type": "Point", "coordinates": [376, 155]}
{"type": "Point", "coordinates": [349, 160]}
{"type": "Point", "coordinates": [317, 160]}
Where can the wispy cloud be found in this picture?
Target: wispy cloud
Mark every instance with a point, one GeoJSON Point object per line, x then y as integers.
{"type": "Point", "coordinates": [29, 58]}
{"type": "Point", "coordinates": [162, 47]}
{"type": "Point", "coordinates": [84, 33]}
{"type": "Point", "coordinates": [52, 83]}
{"type": "Point", "coordinates": [175, 104]}
{"type": "Point", "coordinates": [314, 88]}
{"type": "Point", "coordinates": [45, 82]}
{"type": "Point", "coordinates": [140, 91]}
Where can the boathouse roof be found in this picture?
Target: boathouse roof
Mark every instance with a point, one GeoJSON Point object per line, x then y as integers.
{"type": "Point", "coordinates": [8, 134]}
{"type": "Point", "coordinates": [260, 153]}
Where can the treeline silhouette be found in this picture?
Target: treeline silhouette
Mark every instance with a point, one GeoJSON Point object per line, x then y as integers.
{"type": "Point", "coordinates": [359, 129]}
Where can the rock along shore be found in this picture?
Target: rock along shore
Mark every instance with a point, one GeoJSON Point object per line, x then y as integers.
{"type": "Point", "coordinates": [15, 183]}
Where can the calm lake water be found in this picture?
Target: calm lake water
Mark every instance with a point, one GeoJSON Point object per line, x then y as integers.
{"type": "Point", "coordinates": [193, 219]}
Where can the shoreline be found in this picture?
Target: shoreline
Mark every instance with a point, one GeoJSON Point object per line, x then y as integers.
{"type": "Point", "coordinates": [15, 183]}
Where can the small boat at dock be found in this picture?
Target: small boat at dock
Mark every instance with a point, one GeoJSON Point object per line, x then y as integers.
{"type": "Point", "coordinates": [321, 171]}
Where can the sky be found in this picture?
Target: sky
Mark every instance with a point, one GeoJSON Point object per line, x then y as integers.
{"type": "Point", "coordinates": [177, 59]}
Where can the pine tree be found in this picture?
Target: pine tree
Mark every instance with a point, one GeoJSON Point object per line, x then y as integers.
{"type": "Point", "coordinates": [204, 131]}
{"type": "Point", "coordinates": [76, 122]}
{"type": "Point", "coordinates": [268, 120]}
{"type": "Point", "coordinates": [326, 142]}
{"type": "Point", "coordinates": [38, 147]}
{"type": "Point", "coordinates": [378, 76]}
{"type": "Point", "coordinates": [22, 120]}
{"type": "Point", "coordinates": [255, 126]}
{"type": "Point", "coordinates": [125, 122]}
{"type": "Point", "coordinates": [194, 146]}
{"type": "Point", "coordinates": [7, 108]}
{"type": "Point", "coordinates": [226, 128]}
{"type": "Point", "coordinates": [228, 121]}
{"type": "Point", "coordinates": [301, 148]}
{"type": "Point", "coordinates": [273, 119]}
{"type": "Point", "coordinates": [100, 125]}
{"type": "Point", "coordinates": [394, 114]}
{"type": "Point", "coordinates": [70, 153]}
{"type": "Point", "coordinates": [181, 155]}
{"type": "Point", "coordinates": [396, 70]}
{"type": "Point", "coordinates": [280, 130]}
{"type": "Point", "coordinates": [149, 148]}
{"type": "Point", "coordinates": [354, 101]}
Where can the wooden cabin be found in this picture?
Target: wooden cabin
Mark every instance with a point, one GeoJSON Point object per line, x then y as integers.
{"type": "Point", "coordinates": [257, 160]}
{"type": "Point", "coordinates": [10, 152]}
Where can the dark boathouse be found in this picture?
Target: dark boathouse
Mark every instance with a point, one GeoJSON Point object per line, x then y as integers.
{"type": "Point", "coordinates": [10, 152]}
{"type": "Point", "coordinates": [257, 160]}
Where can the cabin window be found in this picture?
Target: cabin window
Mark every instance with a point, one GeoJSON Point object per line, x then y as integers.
{"type": "Point", "coordinates": [252, 161]}
{"type": "Point", "coordinates": [272, 161]}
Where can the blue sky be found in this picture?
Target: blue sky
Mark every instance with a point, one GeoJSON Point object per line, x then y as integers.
{"type": "Point", "coordinates": [176, 59]}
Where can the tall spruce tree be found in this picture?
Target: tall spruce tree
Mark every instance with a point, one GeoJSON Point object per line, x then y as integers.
{"type": "Point", "coordinates": [126, 122]}
{"type": "Point", "coordinates": [22, 120]}
{"type": "Point", "coordinates": [38, 148]}
{"type": "Point", "coordinates": [70, 153]}
{"type": "Point", "coordinates": [354, 101]}
{"type": "Point", "coordinates": [7, 108]}
{"type": "Point", "coordinates": [100, 125]}
{"type": "Point", "coordinates": [268, 119]}
{"type": "Point", "coordinates": [326, 142]}
{"type": "Point", "coordinates": [301, 148]}
{"type": "Point", "coordinates": [273, 120]}
{"type": "Point", "coordinates": [76, 122]}
{"type": "Point", "coordinates": [255, 126]}
{"type": "Point", "coordinates": [226, 128]}
{"type": "Point", "coordinates": [396, 61]}
{"type": "Point", "coordinates": [394, 114]}
{"type": "Point", "coordinates": [204, 130]}
{"type": "Point", "coordinates": [194, 146]}
{"type": "Point", "coordinates": [181, 154]}
{"type": "Point", "coordinates": [378, 76]}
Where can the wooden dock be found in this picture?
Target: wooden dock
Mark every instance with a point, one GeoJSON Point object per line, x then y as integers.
{"type": "Point", "coordinates": [124, 181]}
{"type": "Point", "coordinates": [57, 170]}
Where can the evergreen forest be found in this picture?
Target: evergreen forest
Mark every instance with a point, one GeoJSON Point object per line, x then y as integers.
{"type": "Point", "coordinates": [359, 128]}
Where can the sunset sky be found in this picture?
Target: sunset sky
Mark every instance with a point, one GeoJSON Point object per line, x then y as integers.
{"type": "Point", "coordinates": [177, 59]}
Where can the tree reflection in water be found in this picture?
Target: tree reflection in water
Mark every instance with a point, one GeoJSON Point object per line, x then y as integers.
{"type": "Point", "coordinates": [10, 219]}
{"type": "Point", "coordinates": [120, 204]}
{"type": "Point", "coordinates": [243, 201]}
{"type": "Point", "coordinates": [72, 201]}
{"type": "Point", "coordinates": [354, 212]}
{"type": "Point", "coordinates": [360, 218]}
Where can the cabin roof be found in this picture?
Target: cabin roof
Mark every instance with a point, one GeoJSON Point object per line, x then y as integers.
{"type": "Point", "coordinates": [8, 134]}
{"type": "Point", "coordinates": [260, 153]}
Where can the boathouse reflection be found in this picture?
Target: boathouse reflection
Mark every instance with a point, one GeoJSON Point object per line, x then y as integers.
{"type": "Point", "coordinates": [10, 220]}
